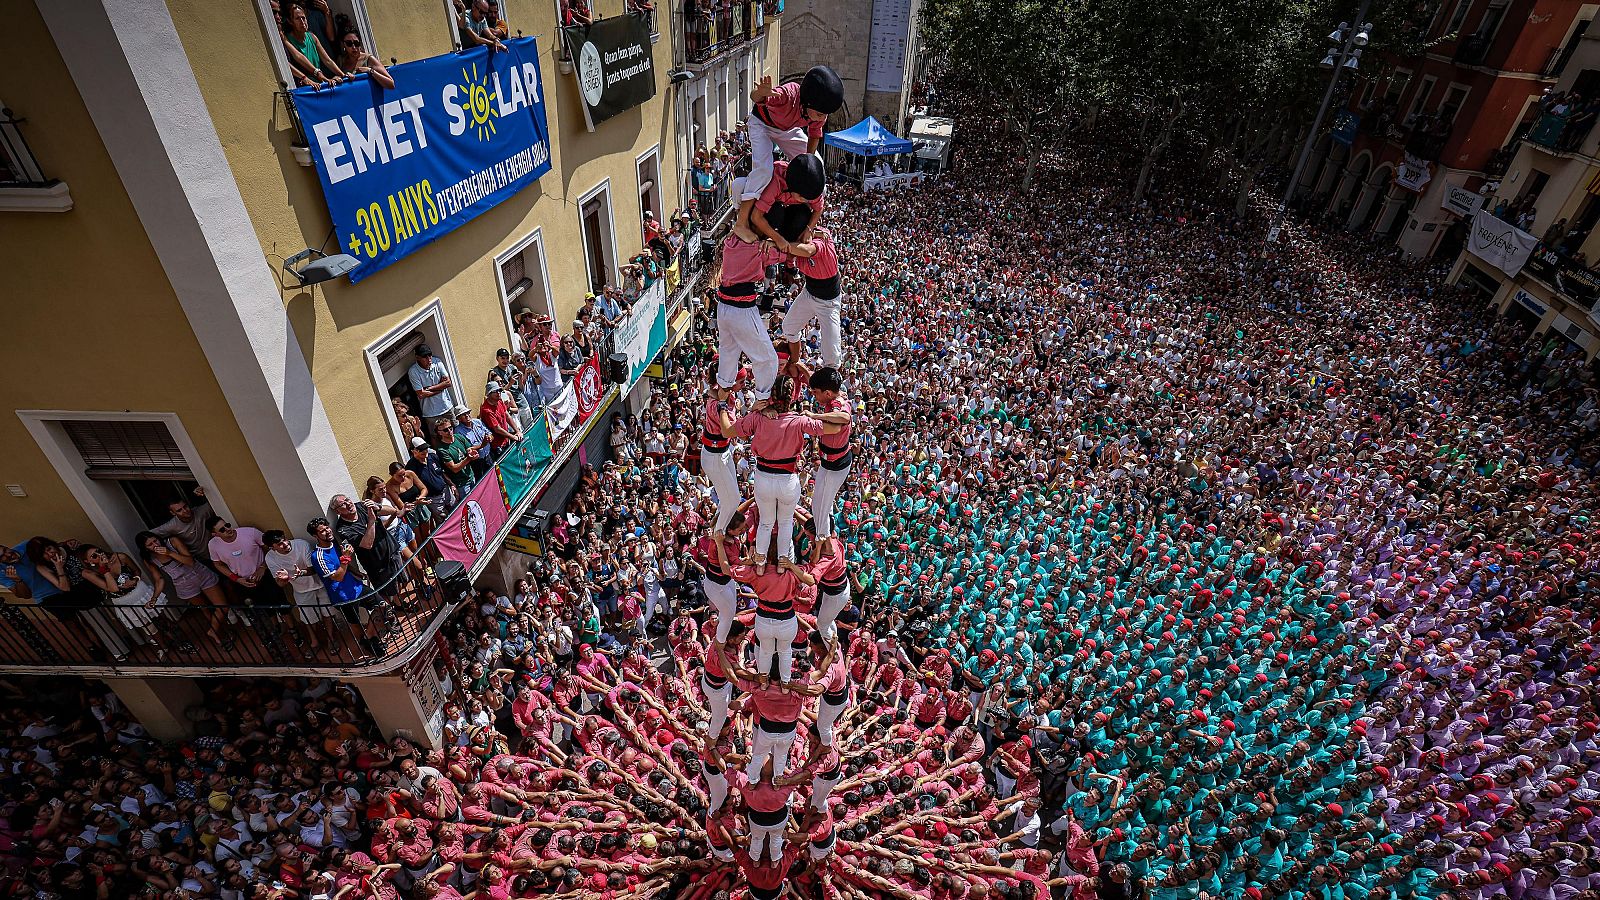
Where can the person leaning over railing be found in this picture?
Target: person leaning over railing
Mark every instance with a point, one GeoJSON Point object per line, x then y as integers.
{"type": "Point", "coordinates": [294, 568]}
{"type": "Point", "coordinates": [346, 589]}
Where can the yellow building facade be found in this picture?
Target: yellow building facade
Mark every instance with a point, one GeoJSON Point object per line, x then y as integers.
{"type": "Point", "coordinates": [157, 294]}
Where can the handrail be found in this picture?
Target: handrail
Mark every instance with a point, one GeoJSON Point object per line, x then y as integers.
{"type": "Point", "coordinates": [377, 626]}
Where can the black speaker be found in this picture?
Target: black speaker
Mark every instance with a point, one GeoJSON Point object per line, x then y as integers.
{"type": "Point", "coordinates": [617, 368]}
{"type": "Point", "coordinates": [708, 248]}
{"type": "Point", "coordinates": [537, 521]}
{"type": "Point", "coordinates": [453, 578]}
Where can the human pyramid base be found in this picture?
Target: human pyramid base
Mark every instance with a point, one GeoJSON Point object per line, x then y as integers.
{"type": "Point", "coordinates": [1173, 610]}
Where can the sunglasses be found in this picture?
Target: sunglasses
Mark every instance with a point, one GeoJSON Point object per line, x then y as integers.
{"type": "Point", "coordinates": [352, 43]}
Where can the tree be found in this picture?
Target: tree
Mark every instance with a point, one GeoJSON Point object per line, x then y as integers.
{"type": "Point", "coordinates": [1017, 50]}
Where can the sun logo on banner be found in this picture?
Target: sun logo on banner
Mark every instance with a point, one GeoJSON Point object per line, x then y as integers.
{"type": "Point", "coordinates": [481, 101]}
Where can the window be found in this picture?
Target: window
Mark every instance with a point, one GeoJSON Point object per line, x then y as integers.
{"type": "Point", "coordinates": [744, 89]}
{"type": "Point", "coordinates": [524, 280]}
{"type": "Point", "coordinates": [390, 358]}
{"type": "Point", "coordinates": [1450, 107]}
{"type": "Point", "coordinates": [23, 186]}
{"type": "Point", "coordinates": [1458, 17]}
{"type": "Point", "coordinates": [599, 238]}
{"type": "Point", "coordinates": [697, 116]}
{"type": "Point", "coordinates": [123, 468]}
{"type": "Point", "coordinates": [1419, 101]}
{"type": "Point", "coordinates": [1489, 25]}
{"type": "Point", "coordinates": [1396, 87]}
{"type": "Point", "coordinates": [1564, 56]}
{"type": "Point", "coordinates": [1534, 186]}
{"type": "Point", "coordinates": [722, 103]}
{"type": "Point", "coordinates": [140, 458]}
{"type": "Point", "coordinates": [649, 172]}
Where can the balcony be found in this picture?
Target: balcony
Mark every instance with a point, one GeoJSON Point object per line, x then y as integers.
{"type": "Point", "coordinates": [712, 28]}
{"type": "Point", "coordinates": [1579, 284]}
{"type": "Point", "coordinates": [1426, 137]}
{"type": "Point", "coordinates": [378, 630]}
{"type": "Point", "coordinates": [1565, 132]}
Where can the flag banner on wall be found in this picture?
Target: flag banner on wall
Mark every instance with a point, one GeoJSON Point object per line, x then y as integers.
{"type": "Point", "coordinates": [1500, 243]}
{"type": "Point", "coordinates": [563, 411]}
{"type": "Point", "coordinates": [472, 529]}
{"type": "Point", "coordinates": [641, 337]}
{"type": "Point", "coordinates": [614, 63]}
{"type": "Point", "coordinates": [589, 387]}
{"type": "Point", "coordinates": [524, 461]}
{"type": "Point", "coordinates": [401, 168]}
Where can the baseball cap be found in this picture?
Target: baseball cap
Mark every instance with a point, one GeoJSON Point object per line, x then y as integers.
{"type": "Point", "coordinates": [418, 442]}
{"type": "Point", "coordinates": [424, 350]}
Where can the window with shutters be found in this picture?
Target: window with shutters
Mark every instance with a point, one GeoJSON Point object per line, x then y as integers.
{"type": "Point", "coordinates": [524, 286]}
{"type": "Point", "coordinates": [141, 458]}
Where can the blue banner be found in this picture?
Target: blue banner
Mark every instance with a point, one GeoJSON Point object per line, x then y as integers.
{"type": "Point", "coordinates": [456, 135]}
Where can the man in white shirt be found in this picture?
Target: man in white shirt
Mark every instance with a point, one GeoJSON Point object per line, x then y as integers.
{"type": "Point", "coordinates": [292, 566]}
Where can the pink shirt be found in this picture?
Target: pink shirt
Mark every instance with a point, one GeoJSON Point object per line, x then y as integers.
{"type": "Point", "coordinates": [764, 796]}
{"type": "Point", "coordinates": [244, 556]}
{"type": "Point", "coordinates": [822, 264]}
{"type": "Point", "coordinates": [743, 263]}
{"type": "Point", "coordinates": [777, 439]}
{"type": "Point", "coordinates": [841, 439]}
{"type": "Point", "coordinates": [782, 111]}
{"type": "Point", "coordinates": [777, 705]}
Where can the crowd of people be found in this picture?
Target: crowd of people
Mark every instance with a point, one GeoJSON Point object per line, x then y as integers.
{"type": "Point", "coordinates": [1041, 544]}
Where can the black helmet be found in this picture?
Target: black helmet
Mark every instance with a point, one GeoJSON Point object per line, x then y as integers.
{"type": "Point", "coordinates": [822, 90]}
{"type": "Point", "coordinates": [806, 176]}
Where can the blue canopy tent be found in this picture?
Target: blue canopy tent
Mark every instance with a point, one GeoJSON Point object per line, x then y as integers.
{"type": "Point", "coordinates": [868, 137]}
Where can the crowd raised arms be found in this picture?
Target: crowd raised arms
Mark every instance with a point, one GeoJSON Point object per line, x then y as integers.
{"type": "Point", "coordinates": [1048, 547]}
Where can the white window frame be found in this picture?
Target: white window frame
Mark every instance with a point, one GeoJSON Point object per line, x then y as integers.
{"type": "Point", "coordinates": [103, 502]}
{"type": "Point", "coordinates": [661, 197]}
{"type": "Point", "coordinates": [433, 309]}
{"type": "Point", "coordinates": [609, 234]}
{"type": "Point", "coordinates": [1404, 77]}
{"type": "Point", "coordinates": [536, 236]}
{"type": "Point", "coordinates": [1466, 91]}
{"type": "Point", "coordinates": [1419, 100]}
{"type": "Point", "coordinates": [1458, 17]}
{"type": "Point", "coordinates": [450, 22]}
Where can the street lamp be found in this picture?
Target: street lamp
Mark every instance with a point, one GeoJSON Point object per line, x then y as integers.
{"type": "Point", "coordinates": [1344, 54]}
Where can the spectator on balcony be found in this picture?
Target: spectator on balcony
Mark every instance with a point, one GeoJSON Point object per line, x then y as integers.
{"type": "Point", "coordinates": [476, 26]}
{"type": "Point", "coordinates": [239, 555]}
{"type": "Point", "coordinates": [406, 492]}
{"type": "Point", "coordinates": [497, 417]}
{"type": "Point", "coordinates": [185, 578]}
{"type": "Point", "coordinates": [410, 425]}
{"type": "Point", "coordinates": [545, 372]}
{"type": "Point", "coordinates": [569, 359]}
{"type": "Point", "coordinates": [308, 54]}
{"type": "Point", "coordinates": [456, 456]}
{"type": "Point", "coordinates": [337, 566]}
{"type": "Point", "coordinates": [356, 526]}
{"type": "Point", "coordinates": [576, 12]}
{"type": "Point", "coordinates": [188, 523]}
{"type": "Point", "coordinates": [478, 438]}
{"type": "Point", "coordinates": [21, 577]}
{"type": "Point", "coordinates": [697, 15]}
{"type": "Point", "coordinates": [355, 60]}
{"type": "Point", "coordinates": [633, 277]}
{"type": "Point", "coordinates": [497, 20]}
{"type": "Point", "coordinates": [294, 568]}
{"type": "Point", "coordinates": [1554, 234]}
{"type": "Point", "coordinates": [587, 334]}
{"type": "Point", "coordinates": [431, 382]}
{"type": "Point", "coordinates": [129, 590]}
{"type": "Point", "coordinates": [426, 465]}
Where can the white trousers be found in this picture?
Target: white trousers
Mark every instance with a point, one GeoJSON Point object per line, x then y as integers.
{"type": "Point", "coordinates": [821, 789]}
{"type": "Point", "coordinates": [716, 790]}
{"type": "Point", "coordinates": [762, 139]}
{"type": "Point", "coordinates": [776, 497]}
{"type": "Point", "coordinates": [724, 599]}
{"type": "Point", "coordinates": [764, 744]}
{"type": "Point", "coordinates": [740, 329]}
{"type": "Point", "coordinates": [805, 308]}
{"type": "Point", "coordinates": [828, 608]}
{"type": "Point", "coordinates": [825, 486]}
{"type": "Point", "coordinates": [776, 637]}
{"type": "Point", "coordinates": [718, 466]}
{"type": "Point", "coordinates": [827, 715]}
{"type": "Point", "coordinates": [717, 700]}
{"type": "Point", "coordinates": [771, 835]}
